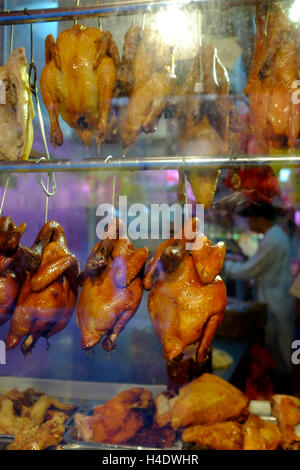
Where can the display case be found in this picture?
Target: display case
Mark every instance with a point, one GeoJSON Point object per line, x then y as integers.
{"type": "Point", "coordinates": [154, 114]}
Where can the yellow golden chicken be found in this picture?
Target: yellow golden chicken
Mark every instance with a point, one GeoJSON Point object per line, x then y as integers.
{"type": "Point", "coordinates": [260, 434]}
{"type": "Point", "coordinates": [145, 78]}
{"type": "Point", "coordinates": [111, 288]}
{"type": "Point", "coordinates": [48, 295]}
{"type": "Point", "coordinates": [187, 298]}
{"type": "Point", "coordinates": [274, 115]}
{"type": "Point", "coordinates": [78, 81]}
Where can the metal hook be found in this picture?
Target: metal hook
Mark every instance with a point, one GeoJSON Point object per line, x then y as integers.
{"type": "Point", "coordinates": [77, 5]}
{"type": "Point", "coordinates": [99, 18]}
{"type": "Point", "coordinates": [50, 188]}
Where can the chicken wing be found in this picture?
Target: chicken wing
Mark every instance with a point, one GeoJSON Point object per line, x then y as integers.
{"type": "Point", "coordinates": [187, 298]}
{"type": "Point", "coordinates": [218, 436]}
{"type": "Point", "coordinates": [287, 411]}
{"type": "Point", "coordinates": [111, 288]}
{"type": "Point", "coordinates": [79, 80]}
{"type": "Point", "coordinates": [48, 295]}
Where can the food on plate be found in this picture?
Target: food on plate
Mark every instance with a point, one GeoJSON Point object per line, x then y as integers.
{"type": "Point", "coordinates": [208, 121]}
{"type": "Point", "coordinates": [274, 71]}
{"type": "Point", "coordinates": [47, 434]}
{"type": "Point", "coordinates": [117, 420]}
{"type": "Point", "coordinates": [219, 436]}
{"type": "Point", "coordinates": [286, 409]}
{"type": "Point", "coordinates": [48, 295]}
{"type": "Point", "coordinates": [79, 80]}
{"type": "Point", "coordinates": [16, 108]}
{"type": "Point", "coordinates": [145, 79]}
{"type": "Point", "coordinates": [187, 297]}
{"type": "Point", "coordinates": [260, 434]}
{"type": "Point", "coordinates": [22, 411]}
{"type": "Point", "coordinates": [111, 288]}
{"type": "Point", "coordinates": [206, 400]}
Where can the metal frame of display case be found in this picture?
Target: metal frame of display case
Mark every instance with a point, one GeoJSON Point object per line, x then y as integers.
{"type": "Point", "coordinates": [130, 7]}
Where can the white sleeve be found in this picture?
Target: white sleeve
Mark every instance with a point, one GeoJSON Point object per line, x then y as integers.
{"type": "Point", "coordinates": [254, 266]}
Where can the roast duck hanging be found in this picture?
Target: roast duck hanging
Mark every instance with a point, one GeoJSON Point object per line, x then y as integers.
{"type": "Point", "coordinates": [111, 288]}
{"type": "Point", "coordinates": [187, 297]}
{"type": "Point", "coordinates": [48, 295]}
{"type": "Point", "coordinates": [79, 80]}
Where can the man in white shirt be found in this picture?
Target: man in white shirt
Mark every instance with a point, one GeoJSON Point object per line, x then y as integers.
{"type": "Point", "coordinates": [271, 269]}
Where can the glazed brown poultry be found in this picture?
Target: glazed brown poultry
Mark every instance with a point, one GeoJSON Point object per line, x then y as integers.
{"type": "Point", "coordinates": [111, 288]}
{"type": "Point", "coordinates": [117, 420]}
{"type": "Point", "coordinates": [274, 116]}
{"type": "Point", "coordinates": [207, 400]}
{"type": "Point", "coordinates": [10, 236]}
{"type": "Point", "coordinates": [48, 295]}
{"type": "Point", "coordinates": [187, 298]}
{"type": "Point", "coordinates": [218, 436]}
{"type": "Point", "coordinates": [209, 122]}
{"type": "Point", "coordinates": [79, 80]}
{"type": "Point", "coordinates": [260, 434]}
{"type": "Point", "coordinates": [145, 78]}
{"type": "Point", "coordinates": [286, 409]}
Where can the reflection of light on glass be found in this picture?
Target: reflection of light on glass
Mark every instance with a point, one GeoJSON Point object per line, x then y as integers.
{"type": "Point", "coordinates": [175, 26]}
{"type": "Point", "coordinates": [297, 218]}
{"type": "Point", "coordinates": [294, 12]}
{"type": "Point", "coordinates": [172, 176]}
{"type": "Point", "coordinates": [284, 175]}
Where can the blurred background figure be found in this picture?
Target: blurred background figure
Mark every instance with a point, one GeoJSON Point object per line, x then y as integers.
{"type": "Point", "coordinates": [271, 269]}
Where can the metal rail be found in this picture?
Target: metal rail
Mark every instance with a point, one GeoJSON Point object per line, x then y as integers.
{"type": "Point", "coordinates": [148, 163]}
{"type": "Point", "coordinates": [127, 7]}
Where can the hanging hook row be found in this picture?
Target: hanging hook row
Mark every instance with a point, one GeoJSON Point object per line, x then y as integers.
{"type": "Point", "coordinates": [33, 86]}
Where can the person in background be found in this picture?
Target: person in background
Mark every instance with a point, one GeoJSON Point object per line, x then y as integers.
{"type": "Point", "coordinates": [271, 269]}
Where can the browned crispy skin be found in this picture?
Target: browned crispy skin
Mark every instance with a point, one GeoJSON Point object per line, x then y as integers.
{"type": "Point", "coordinates": [49, 433]}
{"type": "Point", "coordinates": [79, 80]}
{"type": "Point", "coordinates": [270, 84]}
{"type": "Point", "coordinates": [260, 434]}
{"type": "Point", "coordinates": [287, 411]}
{"type": "Point", "coordinates": [218, 436]}
{"type": "Point", "coordinates": [187, 298]}
{"type": "Point", "coordinates": [119, 419]}
{"type": "Point", "coordinates": [206, 400]}
{"type": "Point", "coordinates": [145, 78]}
{"type": "Point", "coordinates": [48, 295]}
{"type": "Point", "coordinates": [111, 289]}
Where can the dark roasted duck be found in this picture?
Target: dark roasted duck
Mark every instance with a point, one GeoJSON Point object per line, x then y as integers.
{"type": "Point", "coordinates": [187, 297]}
{"type": "Point", "coordinates": [111, 288]}
{"type": "Point", "coordinates": [48, 295]}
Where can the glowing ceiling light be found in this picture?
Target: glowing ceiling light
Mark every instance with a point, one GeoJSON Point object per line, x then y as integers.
{"type": "Point", "coordinates": [176, 27]}
{"type": "Point", "coordinates": [294, 12]}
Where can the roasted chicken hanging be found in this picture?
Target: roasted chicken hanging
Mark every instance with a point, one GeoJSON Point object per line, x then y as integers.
{"type": "Point", "coordinates": [48, 296]}
{"type": "Point", "coordinates": [145, 78]}
{"type": "Point", "coordinates": [111, 288]}
{"type": "Point", "coordinates": [78, 81]}
{"type": "Point", "coordinates": [187, 298]}
{"type": "Point", "coordinates": [272, 80]}
{"type": "Point", "coordinates": [16, 108]}
{"type": "Point", "coordinates": [209, 122]}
